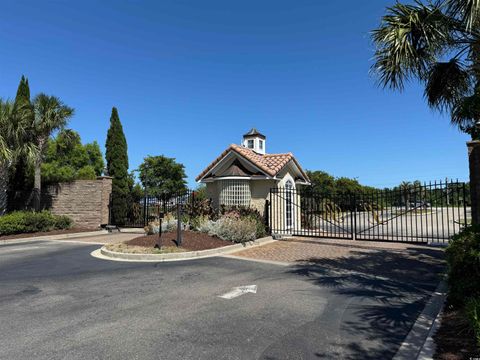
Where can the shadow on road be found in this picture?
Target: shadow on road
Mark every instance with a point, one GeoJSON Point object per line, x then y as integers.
{"type": "Point", "coordinates": [378, 293]}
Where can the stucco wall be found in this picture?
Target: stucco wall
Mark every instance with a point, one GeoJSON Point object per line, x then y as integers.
{"type": "Point", "coordinates": [260, 193]}
{"type": "Point", "coordinates": [85, 201]}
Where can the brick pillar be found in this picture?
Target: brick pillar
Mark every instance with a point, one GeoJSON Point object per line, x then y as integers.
{"type": "Point", "coordinates": [474, 165]}
{"type": "Point", "coordinates": [105, 203]}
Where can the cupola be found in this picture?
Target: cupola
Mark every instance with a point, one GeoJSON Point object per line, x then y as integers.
{"type": "Point", "coordinates": [255, 141]}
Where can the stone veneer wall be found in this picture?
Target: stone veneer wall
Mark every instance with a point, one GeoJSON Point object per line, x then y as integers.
{"type": "Point", "coordinates": [85, 201]}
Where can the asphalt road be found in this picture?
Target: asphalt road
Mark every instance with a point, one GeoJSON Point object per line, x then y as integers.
{"type": "Point", "coordinates": [58, 302]}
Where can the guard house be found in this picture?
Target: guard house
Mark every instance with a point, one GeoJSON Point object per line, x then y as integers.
{"type": "Point", "coordinates": [243, 175]}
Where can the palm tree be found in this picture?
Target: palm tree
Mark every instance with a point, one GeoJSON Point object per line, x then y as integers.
{"type": "Point", "coordinates": [437, 43]}
{"type": "Point", "coordinates": [406, 189]}
{"type": "Point", "coordinates": [15, 126]}
{"type": "Point", "coordinates": [50, 114]}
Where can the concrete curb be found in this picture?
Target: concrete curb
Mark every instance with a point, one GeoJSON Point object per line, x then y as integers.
{"type": "Point", "coordinates": [55, 237]}
{"type": "Point", "coordinates": [428, 349]}
{"type": "Point", "coordinates": [417, 344]}
{"type": "Point", "coordinates": [190, 255]}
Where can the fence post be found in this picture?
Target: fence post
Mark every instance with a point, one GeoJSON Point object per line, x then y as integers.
{"type": "Point", "coordinates": [474, 166]}
{"type": "Point", "coordinates": [267, 215]}
{"type": "Point", "coordinates": [179, 224]}
{"type": "Point", "coordinates": [354, 216]}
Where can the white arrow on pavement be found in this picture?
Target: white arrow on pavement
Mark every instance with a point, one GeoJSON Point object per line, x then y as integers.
{"type": "Point", "coordinates": [238, 291]}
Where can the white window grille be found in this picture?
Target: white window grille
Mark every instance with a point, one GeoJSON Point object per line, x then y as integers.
{"type": "Point", "coordinates": [250, 144]}
{"type": "Point", "coordinates": [235, 192]}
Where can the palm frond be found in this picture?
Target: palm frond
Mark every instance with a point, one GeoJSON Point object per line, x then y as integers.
{"type": "Point", "coordinates": [466, 112]}
{"type": "Point", "coordinates": [467, 11]}
{"type": "Point", "coordinates": [408, 41]}
{"type": "Point", "coordinates": [447, 83]}
{"type": "Point", "coordinates": [50, 114]}
{"type": "Point", "coordinates": [16, 133]}
{"type": "Point", "coordinates": [5, 113]}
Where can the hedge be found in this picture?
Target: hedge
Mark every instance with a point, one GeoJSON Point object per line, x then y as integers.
{"type": "Point", "coordinates": [19, 222]}
{"type": "Point", "coordinates": [463, 258]}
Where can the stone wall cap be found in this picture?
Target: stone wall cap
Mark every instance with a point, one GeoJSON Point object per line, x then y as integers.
{"type": "Point", "coordinates": [104, 177]}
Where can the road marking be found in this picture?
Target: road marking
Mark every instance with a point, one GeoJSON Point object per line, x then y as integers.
{"type": "Point", "coordinates": [238, 291]}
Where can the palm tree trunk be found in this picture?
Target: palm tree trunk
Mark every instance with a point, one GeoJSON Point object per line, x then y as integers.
{"type": "Point", "coordinates": [37, 179]}
{"type": "Point", "coordinates": [3, 187]}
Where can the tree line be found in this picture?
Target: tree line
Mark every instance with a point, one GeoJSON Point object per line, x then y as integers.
{"type": "Point", "coordinates": [37, 148]}
{"type": "Point", "coordinates": [325, 185]}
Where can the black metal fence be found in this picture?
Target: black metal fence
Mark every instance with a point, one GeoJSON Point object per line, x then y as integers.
{"type": "Point", "coordinates": [149, 208]}
{"type": "Point", "coordinates": [410, 213]}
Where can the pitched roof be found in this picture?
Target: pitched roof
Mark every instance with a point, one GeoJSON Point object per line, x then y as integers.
{"type": "Point", "coordinates": [271, 164]}
{"type": "Point", "coordinates": [254, 132]}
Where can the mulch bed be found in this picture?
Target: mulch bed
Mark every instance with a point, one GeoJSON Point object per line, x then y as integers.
{"type": "Point", "coordinates": [45, 233]}
{"type": "Point", "coordinates": [454, 339]}
{"type": "Point", "coordinates": [191, 240]}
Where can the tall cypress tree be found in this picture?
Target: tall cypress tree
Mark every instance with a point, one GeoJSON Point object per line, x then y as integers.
{"type": "Point", "coordinates": [20, 181]}
{"type": "Point", "coordinates": [117, 165]}
{"type": "Point", "coordinates": [23, 91]}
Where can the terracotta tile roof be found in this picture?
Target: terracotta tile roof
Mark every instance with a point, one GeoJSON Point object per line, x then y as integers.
{"type": "Point", "coordinates": [271, 164]}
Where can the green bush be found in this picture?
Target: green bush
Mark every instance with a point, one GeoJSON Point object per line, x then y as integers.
{"type": "Point", "coordinates": [463, 258]}
{"type": "Point", "coordinates": [63, 222]}
{"type": "Point", "coordinates": [473, 313]}
{"type": "Point", "coordinates": [250, 214]}
{"type": "Point", "coordinates": [230, 228]}
{"type": "Point", "coordinates": [27, 222]}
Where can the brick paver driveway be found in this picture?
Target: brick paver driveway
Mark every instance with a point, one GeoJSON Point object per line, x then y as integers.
{"type": "Point", "coordinates": [307, 249]}
{"type": "Point", "coordinates": [328, 260]}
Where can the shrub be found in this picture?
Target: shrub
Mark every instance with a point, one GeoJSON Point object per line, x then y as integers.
{"type": "Point", "coordinates": [63, 222]}
{"type": "Point", "coordinates": [197, 222]}
{"type": "Point", "coordinates": [463, 257]}
{"type": "Point", "coordinates": [169, 224]}
{"type": "Point", "coordinates": [473, 314]}
{"type": "Point", "coordinates": [198, 207]}
{"type": "Point", "coordinates": [232, 229]}
{"type": "Point", "coordinates": [207, 227]}
{"type": "Point", "coordinates": [247, 213]}
{"type": "Point", "coordinates": [27, 222]}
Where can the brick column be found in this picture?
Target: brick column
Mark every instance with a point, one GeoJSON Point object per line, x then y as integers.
{"type": "Point", "coordinates": [474, 165]}
{"type": "Point", "coordinates": [105, 203]}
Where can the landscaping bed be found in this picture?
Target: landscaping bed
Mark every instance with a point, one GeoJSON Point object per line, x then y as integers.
{"type": "Point", "coordinates": [45, 233]}
{"type": "Point", "coordinates": [191, 241]}
{"type": "Point", "coordinates": [459, 334]}
{"type": "Point", "coordinates": [455, 339]}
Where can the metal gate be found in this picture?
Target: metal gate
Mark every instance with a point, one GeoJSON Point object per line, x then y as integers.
{"type": "Point", "coordinates": [148, 208]}
{"type": "Point", "coordinates": [410, 213]}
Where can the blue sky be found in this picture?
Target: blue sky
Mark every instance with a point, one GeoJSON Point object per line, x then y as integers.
{"type": "Point", "coordinates": [190, 77]}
